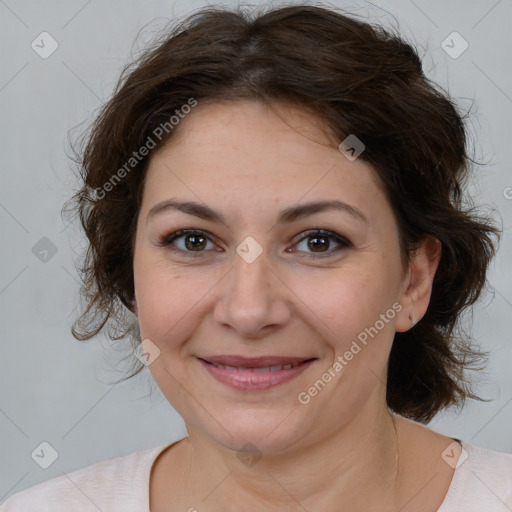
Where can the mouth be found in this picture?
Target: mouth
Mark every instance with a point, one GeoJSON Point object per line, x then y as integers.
{"type": "Point", "coordinates": [256, 369]}
{"type": "Point", "coordinates": [259, 373]}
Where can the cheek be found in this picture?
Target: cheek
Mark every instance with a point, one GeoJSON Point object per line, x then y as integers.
{"type": "Point", "coordinates": [345, 300]}
{"type": "Point", "coordinates": [171, 304]}
{"type": "Point", "coordinates": [357, 317]}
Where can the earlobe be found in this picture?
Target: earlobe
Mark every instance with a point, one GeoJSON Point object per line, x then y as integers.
{"type": "Point", "coordinates": [416, 298]}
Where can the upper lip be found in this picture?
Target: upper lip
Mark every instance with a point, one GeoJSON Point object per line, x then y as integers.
{"type": "Point", "coordinates": [254, 362]}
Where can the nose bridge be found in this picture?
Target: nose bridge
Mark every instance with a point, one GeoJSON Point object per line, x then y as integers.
{"type": "Point", "coordinates": [250, 298]}
{"type": "Point", "coordinates": [250, 272]}
{"type": "Point", "coordinates": [249, 283]}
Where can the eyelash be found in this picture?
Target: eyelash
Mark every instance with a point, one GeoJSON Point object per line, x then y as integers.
{"type": "Point", "coordinates": [169, 239]}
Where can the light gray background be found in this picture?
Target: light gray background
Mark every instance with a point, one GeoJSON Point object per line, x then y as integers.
{"type": "Point", "coordinates": [54, 388]}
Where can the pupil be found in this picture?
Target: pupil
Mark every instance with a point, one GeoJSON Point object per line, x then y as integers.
{"type": "Point", "coordinates": [194, 241]}
{"type": "Point", "coordinates": [314, 246]}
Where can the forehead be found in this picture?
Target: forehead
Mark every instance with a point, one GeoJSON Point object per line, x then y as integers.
{"type": "Point", "coordinates": [244, 151]}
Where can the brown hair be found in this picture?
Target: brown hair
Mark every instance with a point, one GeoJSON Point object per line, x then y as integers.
{"type": "Point", "coordinates": [360, 79]}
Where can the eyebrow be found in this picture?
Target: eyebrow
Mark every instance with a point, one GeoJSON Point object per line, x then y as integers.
{"type": "Point", "coordinates": [287, 215]}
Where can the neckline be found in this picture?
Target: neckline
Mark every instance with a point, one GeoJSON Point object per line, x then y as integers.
{"type": "Point", "coordinates": [450, 493]}
{"type": "Point", "coordinates": [154, 453]}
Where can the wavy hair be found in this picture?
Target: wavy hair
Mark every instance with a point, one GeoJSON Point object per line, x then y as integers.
{"type": "Point", "coordinates": [359, 79]}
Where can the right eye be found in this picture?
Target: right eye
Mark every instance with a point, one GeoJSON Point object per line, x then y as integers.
{"type": "Point", "coordinates": [192, 241]}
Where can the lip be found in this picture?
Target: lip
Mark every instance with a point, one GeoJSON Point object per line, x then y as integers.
{"type": "Point", "coordinates": [247, 380]}
{"type": "Point", "coordinates": [253, 362]}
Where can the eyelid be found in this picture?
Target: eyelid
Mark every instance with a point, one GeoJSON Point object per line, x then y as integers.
{"type": "Point", "coordinates": [320, 232]}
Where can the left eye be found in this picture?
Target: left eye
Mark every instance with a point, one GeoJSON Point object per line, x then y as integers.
{"type": "Point", "coordinates": [318, 239]}
{"type": "Point", "coordinates": [195, 241]}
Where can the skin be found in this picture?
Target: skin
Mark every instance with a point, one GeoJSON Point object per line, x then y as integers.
{"type": "Point", "coordinates": [249, 162]}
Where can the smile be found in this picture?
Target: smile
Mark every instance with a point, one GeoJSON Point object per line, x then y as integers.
{"type": "Point", "coordinates": [255, 378]}
{"type": "Point", "coordinates": [257, 370]}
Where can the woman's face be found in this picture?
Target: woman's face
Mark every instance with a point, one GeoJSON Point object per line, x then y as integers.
{"type": "Point", "coordinates": [258, 284]}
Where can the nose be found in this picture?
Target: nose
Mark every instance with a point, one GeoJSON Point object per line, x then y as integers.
{"type": "Point", "coordinates": [252, 299]}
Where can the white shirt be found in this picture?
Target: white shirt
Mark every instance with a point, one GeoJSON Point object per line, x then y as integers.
{"type": "Point", "coordinates": [482, 483]}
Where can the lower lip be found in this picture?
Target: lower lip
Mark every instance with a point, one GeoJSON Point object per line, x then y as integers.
{"type": "Point", "coordinates": [254, 380]}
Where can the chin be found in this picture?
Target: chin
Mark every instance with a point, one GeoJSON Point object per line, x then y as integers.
{"type": "Point", "coordinates": [262, 435]}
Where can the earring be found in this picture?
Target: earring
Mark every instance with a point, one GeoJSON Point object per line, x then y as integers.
{"type": "Point", "coordinates": [413, 320]}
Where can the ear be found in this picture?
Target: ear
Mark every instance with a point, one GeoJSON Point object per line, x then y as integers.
{"type": "Point", "coordinates": [417, 288]}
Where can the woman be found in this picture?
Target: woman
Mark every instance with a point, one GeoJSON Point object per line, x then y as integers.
{"type": "Point", "coordinates": [278, 201]}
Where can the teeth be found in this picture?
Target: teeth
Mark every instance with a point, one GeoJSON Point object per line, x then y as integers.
{"type": "Point", "coordinates": [257, 370]}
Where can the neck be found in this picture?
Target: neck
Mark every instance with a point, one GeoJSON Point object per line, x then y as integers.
{"type": "Point", "coordinates": [355, 468]}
